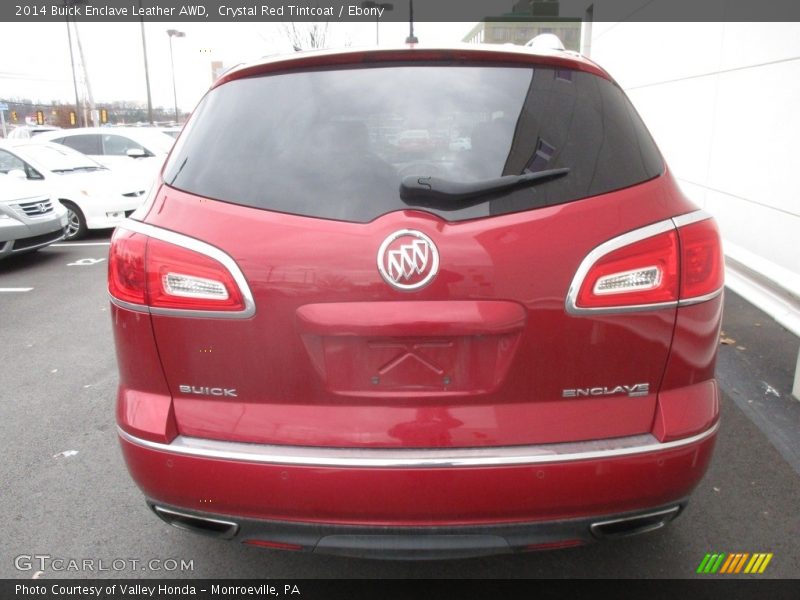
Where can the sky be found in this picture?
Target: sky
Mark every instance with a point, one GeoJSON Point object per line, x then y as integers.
{"type": "Point", "coordinates": [35, 61]}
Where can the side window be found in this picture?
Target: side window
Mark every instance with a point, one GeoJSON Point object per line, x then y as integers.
{"type": "Point", "coordinates": [117, 145]}
{"type": "Point", "coordinates": [86, 143]}
{"type": "Point", "coordinates": [9, 162]}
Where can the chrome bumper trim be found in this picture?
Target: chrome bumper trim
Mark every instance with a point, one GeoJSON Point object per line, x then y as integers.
{"type": "Point", "coordinates": [416, 458]}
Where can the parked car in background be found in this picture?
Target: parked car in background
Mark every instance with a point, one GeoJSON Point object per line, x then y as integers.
{"type": "Point", "coordinates": [173, 131]}
{"type": "Point", "coordinates": [25, 132]}
{"type": "Point", "coordinates": [93, 196]}
{"type": "Point", "coordinates": [509, 347]}
{"type": "Point", "coordinates": [460, 143]}
{"type": "Point", "coordinates": [133, 151]}
{"type": "Point", "coordinates": [30, 218]}
{"type": "Point", "coordinates": [415, 142]}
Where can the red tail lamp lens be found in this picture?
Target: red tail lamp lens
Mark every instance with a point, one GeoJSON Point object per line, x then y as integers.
{"type": "Point", "coordinates": [181, 278]}
{"type": "Point", "coordinates": [147, 271]}
{"type": "Point", "coordinates": [702, 265]}
{"type": "Point", "coordinates": [644, 272]}
{"type": "Point", "coordinates": [126, 279]}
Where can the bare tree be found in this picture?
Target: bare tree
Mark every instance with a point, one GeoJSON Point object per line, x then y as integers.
{"type": "Point", "coordinates": [306, 36]}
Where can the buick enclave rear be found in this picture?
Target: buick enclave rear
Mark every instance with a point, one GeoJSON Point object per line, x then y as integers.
{"type": "Point", "coordinates": [330, 341]}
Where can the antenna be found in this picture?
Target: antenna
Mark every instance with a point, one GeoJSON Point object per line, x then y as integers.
{"type": "Point", "coordinates": [411, 39]}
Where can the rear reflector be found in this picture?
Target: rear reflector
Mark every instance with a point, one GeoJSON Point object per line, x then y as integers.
{"type": "Point", "coordinates": [273, 545]}
{"type": "Point", "coordinates": [661, 265]}
{"type": "Point", "coordinates": [555, 545]}
{"type": "Point", "coordinates": [167, 273]}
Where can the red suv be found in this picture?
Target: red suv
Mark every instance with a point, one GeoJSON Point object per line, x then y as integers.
{"type": "Point", "coordinates": [325, 344]}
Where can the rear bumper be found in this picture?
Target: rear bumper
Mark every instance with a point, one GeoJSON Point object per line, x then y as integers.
{"type": "Point", "coordinates": [507, 497]}
{"type": "Point", "coordinates": [410, 543]}
{"type": "Point", "coordinates": [109, 213]}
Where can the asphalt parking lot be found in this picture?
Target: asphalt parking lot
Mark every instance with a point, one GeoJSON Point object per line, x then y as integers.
{"type": "Point", "coordinates": [66, 493]}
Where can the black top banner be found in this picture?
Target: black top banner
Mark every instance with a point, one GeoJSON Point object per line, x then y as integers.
{"type": "Point", "coordinates": [230, 11]}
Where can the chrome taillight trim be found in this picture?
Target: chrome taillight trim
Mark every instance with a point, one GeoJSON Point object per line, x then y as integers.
{"type": "Point", "coordinates": [692, 217]}
{"type": "Point", "coordinates": [699, 299]}
{"type": "Point", "coordinates": [414, 458]}
{"type": "Point", "coordinates": [631, 237]}
{"type": "Point", "coordinates": [625, 239]}
{"type": "Point", "coordinates": [204, 248]}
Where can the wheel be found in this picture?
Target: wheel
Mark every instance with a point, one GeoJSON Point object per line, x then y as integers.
{"type": "Point", "coordinates": [76, 222]}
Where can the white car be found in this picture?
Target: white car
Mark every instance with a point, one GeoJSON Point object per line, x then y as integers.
{"type": "Point", "coordinates": [93, 196]}
{"type": "Point", "coordinates": [133, 151]}
{"type": "Point", "coordinates": [172, 131]}
{"type": "Point", "coordinates": [30, 218]}
{"type": "Point", "coordinates": [26, 132]}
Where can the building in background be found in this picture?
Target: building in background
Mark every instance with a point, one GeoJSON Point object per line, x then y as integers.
{"type": "Point", "coordinates": [722, 101]}
{"type": "Point", "coordinates": [217, 69]}
{"type": "Point", "coordinates": [527, 20]}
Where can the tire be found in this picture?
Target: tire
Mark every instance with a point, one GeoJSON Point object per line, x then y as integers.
{"type": "Point", "coordinates": [76, 222]}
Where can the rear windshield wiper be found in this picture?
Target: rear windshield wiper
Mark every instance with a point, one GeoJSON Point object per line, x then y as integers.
{"type": "Point", "coordinates": [444, 194]}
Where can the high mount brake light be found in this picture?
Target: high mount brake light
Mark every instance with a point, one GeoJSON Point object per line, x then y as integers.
{"type": "Point", "coordinates": [662, 265]}
{"type": "Point", "coordinates": [161, 272]}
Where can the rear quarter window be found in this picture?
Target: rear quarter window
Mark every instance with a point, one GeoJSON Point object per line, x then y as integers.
{"type": "Point", "coordinates": [336, 143]}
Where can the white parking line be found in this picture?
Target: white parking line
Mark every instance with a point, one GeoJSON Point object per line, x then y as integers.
{"type": "Point", "coordinates": [15, 289]}
{"type": "Point", "coordinates": [85, 262]}
{"type": "Point", "coordinates": [80, 244]}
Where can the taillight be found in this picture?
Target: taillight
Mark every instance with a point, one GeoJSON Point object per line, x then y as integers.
{"type": "Point", "coordinates": [661, 265]}
{"type": "Point", "coordinates": [185, 279]}
{"type": "Point", "coordinates": [644, 272]}
{"type": "Point", "coordinates": [702, 265]}
{"type": "Point", "coordinates": [167, 273]}
{"type": "Point", "coordinates": [126, 275]}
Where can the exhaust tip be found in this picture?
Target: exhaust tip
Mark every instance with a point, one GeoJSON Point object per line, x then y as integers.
{"type": "Point", "coordinates": [634, 525]}
{"type": "Point", "coordinates": [203, 525]}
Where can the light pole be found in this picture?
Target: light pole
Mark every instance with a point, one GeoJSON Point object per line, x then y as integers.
{"type": "Point", "coordinates": [174, 33]}
{"type": "Point", "coordinates": [68, 3]}
{"type": "Point", "coordinates": [146, 70]}
{"type": "Point", "coordinates": [384, 6]}
{"type": "Point", "coordinates": [411, 39]}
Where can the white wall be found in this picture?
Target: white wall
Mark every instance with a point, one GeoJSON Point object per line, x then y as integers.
{"type": "Point", "coordinates": [723, 102]}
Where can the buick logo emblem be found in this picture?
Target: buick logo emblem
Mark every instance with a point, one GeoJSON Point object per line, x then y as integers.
{"type": "Point", "coordinates": [43, 207]}
{"type": "Point", "coordinates": [408, 260]}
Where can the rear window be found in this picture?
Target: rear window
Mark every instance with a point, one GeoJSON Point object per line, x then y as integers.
{"type": "Point", "coordinates": [336, 144]}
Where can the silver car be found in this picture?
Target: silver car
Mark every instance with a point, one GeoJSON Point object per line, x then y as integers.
{"type": "Point", "coordinates": [30, 218]}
